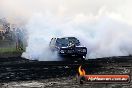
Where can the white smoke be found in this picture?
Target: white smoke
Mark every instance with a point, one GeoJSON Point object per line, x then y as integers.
{"type": "Point", "coordinates": [104, 35]}
{"type": "Point", "coordinates": [103, 26]}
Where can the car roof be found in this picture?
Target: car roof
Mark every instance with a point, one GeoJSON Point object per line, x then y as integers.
{"type": "Point", "coordinates": [67, 37]}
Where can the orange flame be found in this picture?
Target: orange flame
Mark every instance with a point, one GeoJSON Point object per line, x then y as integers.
{"type": "Point", "coordinates": [81, 71]}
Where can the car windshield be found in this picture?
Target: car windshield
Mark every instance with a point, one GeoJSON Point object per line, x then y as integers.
{"type": "Point", "coordinates": [63, 42]}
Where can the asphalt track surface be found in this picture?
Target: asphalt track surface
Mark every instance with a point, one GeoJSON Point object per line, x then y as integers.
{"type": "Point", "coordinates": [17, 72]}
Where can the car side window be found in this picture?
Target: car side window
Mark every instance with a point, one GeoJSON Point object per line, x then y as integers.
{"type": "Point", "coordinates": [58, 42]}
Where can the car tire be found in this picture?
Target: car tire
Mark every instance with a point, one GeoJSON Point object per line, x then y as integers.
{"type": "Point", "coordinates": [83, 58]}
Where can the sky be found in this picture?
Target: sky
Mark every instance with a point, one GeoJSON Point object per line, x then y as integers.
{"type": "Point", "coordinates": [23, 9]}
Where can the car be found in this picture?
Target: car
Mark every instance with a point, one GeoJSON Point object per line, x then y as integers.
{"type": "Point", "coordinates": [68, 47]}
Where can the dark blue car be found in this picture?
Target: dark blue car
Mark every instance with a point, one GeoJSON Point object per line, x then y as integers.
{"type": "Point", "coordinates": [68, 47]}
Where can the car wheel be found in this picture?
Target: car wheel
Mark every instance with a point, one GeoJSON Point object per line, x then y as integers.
{"type": "Point", "coordinates": [83, 58]}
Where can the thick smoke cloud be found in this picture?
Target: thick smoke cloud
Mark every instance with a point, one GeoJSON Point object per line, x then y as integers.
{"type": "Point", "coordinates": [104, 36]}
{"type": "Point", "coordinates": [103, 26]}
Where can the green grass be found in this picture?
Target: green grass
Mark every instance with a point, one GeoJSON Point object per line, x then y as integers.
{"type": "Point", "coordinates": [10, 50]}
